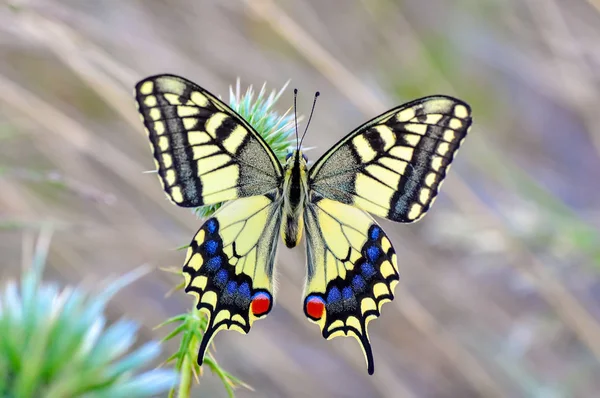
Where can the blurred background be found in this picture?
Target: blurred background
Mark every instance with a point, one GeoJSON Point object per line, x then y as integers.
{"type": "Point", "coordinates": [500, 283]}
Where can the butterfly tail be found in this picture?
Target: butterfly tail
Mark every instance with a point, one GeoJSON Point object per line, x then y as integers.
{"type": "Point", "coordinates": [206, 339]}
{"type": "Point", "coordinates": [366, 346]}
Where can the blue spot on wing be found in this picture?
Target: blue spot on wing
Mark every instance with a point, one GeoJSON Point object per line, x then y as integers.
{"type": "Point", "coordinates": [374, 234]}
{"type": "Point", "coordinates": [368, 270]}
{"type": "Point", "coordinates": [312, 297]}
{"type": "Point", "coordinates": [231, 287]}
{"type": "Point", "coordinates": [358, 283]}
{"type": "Point", "coordinates": [261, 295]}
{"type": "Point", "coordinates": [211, 247]}
{"type": "Point", "coordinates": [334, 295]}
{"type": "Point", "coordinates": [347, 293]}
{"type": "Point", "coordinates": [211, 226]}
{"type": "Point", "coordinates": [373, 253]}
{"type": "Point", "coordinates": [244, 290]}
{"type": "Point", "coordinates": [221, 277]}
{"type": "Point", "coordinates": [214, 264]}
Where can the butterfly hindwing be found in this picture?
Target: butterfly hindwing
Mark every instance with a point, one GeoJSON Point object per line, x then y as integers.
{"type": "Point", "coordinates": [394, 165]}
{"type": "Point", "coordinates": [352, 270]}
{"type": "Point", "coordinates": [205, 153]}
{"type": "Point", "coordinates": [229, 264]}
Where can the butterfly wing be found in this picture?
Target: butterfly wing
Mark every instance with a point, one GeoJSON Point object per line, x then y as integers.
{"type": "Point", "coordinates": [229, 264]}
{"type": "Point", "coordinates": [204, 151]}
{"type": "Point", "coordinates": [394, 165]}
{"type": "Point", "coordinates": [352, 270]}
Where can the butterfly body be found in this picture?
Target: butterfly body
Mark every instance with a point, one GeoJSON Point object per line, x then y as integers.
{"type": "Point", "coordinates": [295, 191]}
{"type": "Point", "coordinates": [392, 167]}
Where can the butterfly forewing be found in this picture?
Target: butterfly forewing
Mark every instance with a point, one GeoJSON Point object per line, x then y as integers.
{"type": "Point", "coordinates": [205, 153]}
{"type": "Point", "coordinates": [394, 165]}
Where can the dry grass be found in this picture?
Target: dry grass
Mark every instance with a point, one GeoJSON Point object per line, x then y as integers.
{"type": "Point", "coordinates": [499, 289]}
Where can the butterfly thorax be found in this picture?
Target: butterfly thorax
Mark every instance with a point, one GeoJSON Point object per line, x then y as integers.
{"type": "Point", "coordinates": [295, 188]}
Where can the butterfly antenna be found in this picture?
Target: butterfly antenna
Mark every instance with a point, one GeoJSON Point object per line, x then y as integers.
{"type": "Point", "coordinates": [296, 118]}
{"type": "Point", "coordinates": [309, 118]}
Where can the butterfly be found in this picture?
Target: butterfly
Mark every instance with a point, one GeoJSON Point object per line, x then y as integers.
{"type": "Point", "coordinates": [392, 167]}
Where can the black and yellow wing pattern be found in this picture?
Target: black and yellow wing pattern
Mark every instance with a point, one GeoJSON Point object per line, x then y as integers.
{"type": "Point", "coordinates": [229, 264]}
{"type": "Point", "coordinates": [392, 167]}
{"type": "Point", "coordinates": [352, 270]}
{"type": "Point", "coordinates": [205, 153]}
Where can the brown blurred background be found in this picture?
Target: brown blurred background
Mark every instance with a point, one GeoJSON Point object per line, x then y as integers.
{"type": "Point", "coordinates": [500, 287]}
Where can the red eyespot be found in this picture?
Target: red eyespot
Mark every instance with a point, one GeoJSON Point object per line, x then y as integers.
{"type": "Point", "coordinates": [314, 307]}
{"type": "Point", "coordinates": [261, 304]}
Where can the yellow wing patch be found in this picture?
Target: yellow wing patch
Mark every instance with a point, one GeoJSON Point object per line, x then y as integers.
{"type": "Point", "coordinates": [205, 153]}
{"type": "Point", "coordinates": [352, 271]}
{"type": "Point", "coordinates": [229, 265]}
{"type": "Point", "coordinates": [393, 166]}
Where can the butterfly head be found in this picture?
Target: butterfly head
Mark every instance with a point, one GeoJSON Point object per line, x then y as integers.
{"type": "Point", "coordinates": [294, 157]}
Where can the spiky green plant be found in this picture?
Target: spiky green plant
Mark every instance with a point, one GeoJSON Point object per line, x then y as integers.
{"type": "Point", "coordinates": [278, 131]}
{"type": "Point", "coordinates": [57, 343]}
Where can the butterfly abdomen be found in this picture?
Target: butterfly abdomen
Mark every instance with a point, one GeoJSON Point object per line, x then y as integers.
{"type": "Point", "coordinates": [291, 229]}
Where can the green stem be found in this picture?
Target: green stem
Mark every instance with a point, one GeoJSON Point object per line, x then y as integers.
{"type": "Point", "coordinates": [185, 383]}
